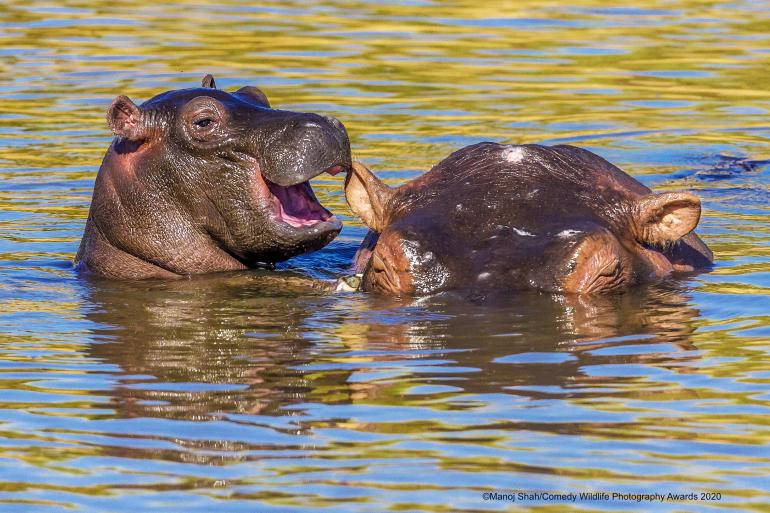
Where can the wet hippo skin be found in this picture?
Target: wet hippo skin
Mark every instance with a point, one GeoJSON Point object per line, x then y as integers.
{"type": "Point", "coordinates": [201, 180]}
{"type": "Point", "coordinates": [501, 217]}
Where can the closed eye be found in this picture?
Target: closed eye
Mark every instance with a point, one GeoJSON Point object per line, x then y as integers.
{"type": "Point", "coordinates": [598, 265]}
{"type": "Point", "coordinates": [608, 277]}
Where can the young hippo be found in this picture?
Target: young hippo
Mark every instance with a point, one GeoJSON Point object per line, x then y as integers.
{"type": "Point", "coordinates": [500, 217]}
{"type": "Point", "coordinates": [202, 180]}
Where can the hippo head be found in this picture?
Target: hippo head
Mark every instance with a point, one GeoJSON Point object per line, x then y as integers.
{"type": "Point", "coordinates": [202, 180]}
{"type": "Point", "coordinates": [557, 219]}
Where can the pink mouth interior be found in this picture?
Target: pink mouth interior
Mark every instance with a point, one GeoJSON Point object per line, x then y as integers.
{"type": "Point", "coordinates": [297, 205]}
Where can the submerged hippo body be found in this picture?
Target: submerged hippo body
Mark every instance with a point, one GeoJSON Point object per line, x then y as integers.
{"type": "Point", "coordinates": [202, 180]}
{"type": "Point", "coordinates": [500, 217]}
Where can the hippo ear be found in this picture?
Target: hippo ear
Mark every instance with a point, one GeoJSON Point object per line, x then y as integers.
{"type": "Point", "coordinates": [666, 217]}
{"type": "Point", "coordinates": [254, 94]}
{"type": "Point", "coordinates": [367, 196]}
{"type": "Point", "coordinates": [208, 82]}
{"type": "Point", "coordinates": [125, 119]}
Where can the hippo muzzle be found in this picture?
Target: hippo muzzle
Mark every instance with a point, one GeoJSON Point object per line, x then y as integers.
{"type": "Point", "coordinates": [302, 147]}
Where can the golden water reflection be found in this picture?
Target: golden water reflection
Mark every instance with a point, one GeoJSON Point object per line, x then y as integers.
{"type": "Point", "coordinates": [256, 391]}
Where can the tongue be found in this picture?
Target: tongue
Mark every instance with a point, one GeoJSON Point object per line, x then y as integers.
{"type": "Point", "coordinates": [297, 205]}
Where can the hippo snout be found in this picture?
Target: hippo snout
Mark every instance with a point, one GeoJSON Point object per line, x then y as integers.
{"type": "Point", "coordinates": [309, 146]}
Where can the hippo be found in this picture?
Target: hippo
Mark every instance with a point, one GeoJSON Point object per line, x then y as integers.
{"type": "Point", "coordinates": [495, 217]}
{"type": "Point", "coordinates": [202, 180]}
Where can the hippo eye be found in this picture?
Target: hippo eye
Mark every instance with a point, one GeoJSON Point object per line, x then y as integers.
{"type": "Point", "coordinates": [203, 123]}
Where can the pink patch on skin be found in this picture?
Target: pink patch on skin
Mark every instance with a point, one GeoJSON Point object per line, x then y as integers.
{"type": "Point", "coordinates": [126, 155]}
{"type": "Point", "coordinates": [259, 192]}
{"type": "Point", "coordinates": [335, 170]}
{"type": "Point", "coordinates": [126, 164]}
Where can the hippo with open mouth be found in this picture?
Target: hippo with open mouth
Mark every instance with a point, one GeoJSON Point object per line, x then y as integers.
{"type": "Point", "coordinates": [202, 180]}
{"type": "Point", "coordinates": [501, 217]}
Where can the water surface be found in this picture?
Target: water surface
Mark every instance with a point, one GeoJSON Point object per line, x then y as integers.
{"type": "Point", "coordinates": [237, 392]}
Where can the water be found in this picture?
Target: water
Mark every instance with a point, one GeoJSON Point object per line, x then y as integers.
{"type": "Point", "coordinates": [239, 393]}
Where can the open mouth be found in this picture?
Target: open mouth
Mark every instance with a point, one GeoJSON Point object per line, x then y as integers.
{"type": "Point", "coordinates": [297, 206]}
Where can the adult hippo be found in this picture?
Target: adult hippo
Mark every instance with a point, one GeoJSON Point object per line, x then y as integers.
{"type": "Point", "coordinates": [202, 180]}
{"type": "Point", "coordinates": [500, 217]}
